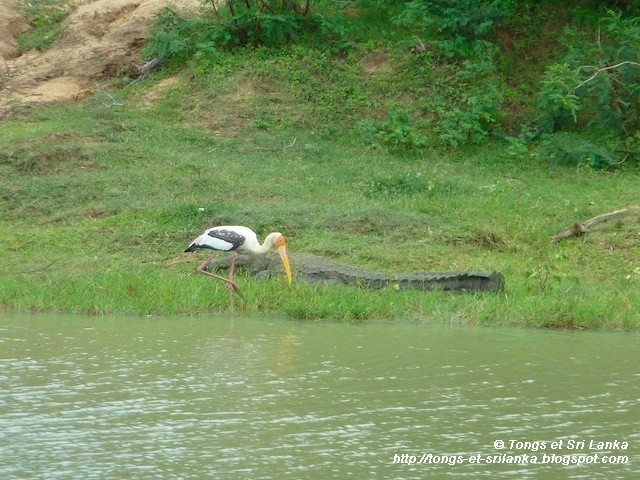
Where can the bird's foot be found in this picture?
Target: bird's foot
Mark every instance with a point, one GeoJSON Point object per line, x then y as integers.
{"type": "Point", "coordinates": [233, 287]}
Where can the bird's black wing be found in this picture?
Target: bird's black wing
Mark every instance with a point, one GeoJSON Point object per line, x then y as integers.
{"type": "Point", "coordinates": [229, 236]}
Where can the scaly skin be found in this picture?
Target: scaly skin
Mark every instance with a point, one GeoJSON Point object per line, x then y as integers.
{"type": "Point", "coordinates": [317, 270]}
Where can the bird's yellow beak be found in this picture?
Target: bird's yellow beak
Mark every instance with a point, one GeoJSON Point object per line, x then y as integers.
{"type": "Point", "coordinates": [285, 261]}
{"type": "Point", "coordinates": [282, 250]}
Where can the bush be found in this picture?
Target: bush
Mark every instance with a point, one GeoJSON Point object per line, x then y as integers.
{"type": "Point", "coordinates": [471, 121]}
{"type": "Point", "coordinates": [239, 23]}
{"type": "Point", "coordinates": [397, 131]}
{"type": "Point", "coordinates": [598, 86]}
{"type": "Point", "coordinates": [571, 149]}
{"type": "Point", "coordinates": [557, 96]}
{"type": "Point", "coordinates": [455, 25]}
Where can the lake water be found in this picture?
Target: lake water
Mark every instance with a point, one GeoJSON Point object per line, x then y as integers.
{"type": "Point", "coordinates": [233, 398]}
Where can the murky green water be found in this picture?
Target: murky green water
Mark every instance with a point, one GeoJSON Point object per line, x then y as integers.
{"type": "Point", "coordinates": [130, 398]}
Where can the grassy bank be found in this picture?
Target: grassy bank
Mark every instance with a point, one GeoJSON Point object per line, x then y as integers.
{"type": "Point", "coordinates": [96, 212]}
{"type": "Point", "coordinates": [99, 201]}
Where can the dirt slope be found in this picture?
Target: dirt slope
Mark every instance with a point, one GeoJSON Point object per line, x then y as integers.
{"type": "Point", "coordinates": [101, 39]}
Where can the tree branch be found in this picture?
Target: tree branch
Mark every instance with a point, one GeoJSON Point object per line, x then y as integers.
{"type": "Point", "coordinates": [600, 70]}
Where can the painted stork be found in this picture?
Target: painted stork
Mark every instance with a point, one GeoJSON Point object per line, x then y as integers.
{"type": "Point", "coordinates": [237, 239]}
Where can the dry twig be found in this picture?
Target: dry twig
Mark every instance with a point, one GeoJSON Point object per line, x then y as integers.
{"type": "Point", "coordinates": [114, 102]}
{"type": "Point", "coordinates": [280, 148]}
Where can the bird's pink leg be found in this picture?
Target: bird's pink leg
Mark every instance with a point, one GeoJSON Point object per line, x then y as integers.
{"type": "Point", "coordinates": [231, 285]}
{"type": "Point", "coordinates": [232, 267]}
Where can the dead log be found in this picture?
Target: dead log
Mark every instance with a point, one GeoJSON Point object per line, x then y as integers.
{"type": "Point", "coordinates": [582, 228]}
{"type": "Point", "coordinates": [148, 67]}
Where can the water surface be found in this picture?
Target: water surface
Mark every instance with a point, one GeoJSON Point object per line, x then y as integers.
{"type": "Point", "coordinates": [231, 398]}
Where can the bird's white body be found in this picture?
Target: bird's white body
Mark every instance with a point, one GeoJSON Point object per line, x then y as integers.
{"type": "Point", "coordinates": [238, 239]}
{"type": "Point", "coordinates": [234, 238]}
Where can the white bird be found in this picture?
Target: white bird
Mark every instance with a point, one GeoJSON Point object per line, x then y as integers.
{"type": "Point", "coordinates": [237, 239]}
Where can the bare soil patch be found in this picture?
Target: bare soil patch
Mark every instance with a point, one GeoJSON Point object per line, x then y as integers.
{"type": "Point", "coordinates": [376, 62]}
{"type": "Point", "coordinates": [101, 40]}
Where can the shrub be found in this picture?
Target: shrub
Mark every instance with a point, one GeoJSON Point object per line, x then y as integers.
{"type": "Point", "coordinates": [396, 131]}
{"type": "Point", "coordinates": [557, 96]}
{"type": "Point", "coordinates": [572, 149]}
{"type": "Point", "coordinates": [455, 25]}
{"type": "Point", "coordinates": [598, 86]}
{"type": "Point", "coordinates": [237, 23]}
{"type": "Point", "coordinates": [471, 121]}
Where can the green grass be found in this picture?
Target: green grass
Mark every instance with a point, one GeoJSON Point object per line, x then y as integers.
{"type": "Point", "coordinates": [95, 221]}
{"type": "Point", "coordinates": [98, 204]}
{"type": "Point", "coordinates": [47, 20]}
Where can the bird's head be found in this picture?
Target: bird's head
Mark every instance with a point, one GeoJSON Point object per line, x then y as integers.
{"type": "Point", "coordinates": [278, 241]}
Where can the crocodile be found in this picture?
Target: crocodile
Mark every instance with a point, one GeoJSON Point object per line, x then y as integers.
{"type": "Point", "coordinates": [316, 270]}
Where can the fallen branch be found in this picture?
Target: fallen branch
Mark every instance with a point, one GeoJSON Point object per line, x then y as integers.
{"type": "Point", "coordinates": [582, 228]}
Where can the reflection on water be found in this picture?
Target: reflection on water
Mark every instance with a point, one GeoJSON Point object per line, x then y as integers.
{"type": "Point", "coordinates": [123, 398]}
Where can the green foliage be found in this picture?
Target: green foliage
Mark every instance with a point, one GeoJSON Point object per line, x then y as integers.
{"type": "Point", "coordinates": [269, 22]}
{"type": "Point", "coordinates": [469, 111]}
{"type": "Point", "coordinates": [631, 147]}
{"type": "Point", "coordinates": [542, 278]}
{"type": "Point", "coordinates": [235, 23]}
{"type": "Point", "coordinates": [178, 38]}
{"type": "Point", "coordinates": [519, 147]}
{"type": "Point", "coordinates": [452, 107]}
{"type": "Point", "coordinates": [473, 120]}
{"type": "Point", "coordinates": [455, 25]}
{"type": "Point", "coordinates": [598, 86]}
{"type": "Point", "coordinates": [557, 96]}
{"type": "Point", "coordinates": [46, 17]}
{"type": "Point", "coordinates": [396, 131]}
{"type": "Point", "coordinates": [398, 184]}
{"type": "Point", "coordinates": [571, 149]}
{"type": "Point", "coordinates": [613, 82]}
